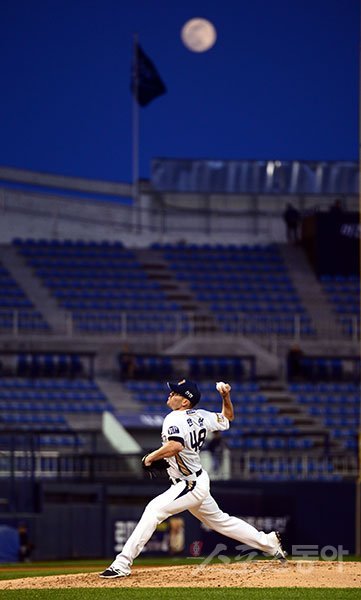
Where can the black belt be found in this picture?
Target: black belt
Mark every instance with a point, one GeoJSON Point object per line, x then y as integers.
{"type": "Point", "coordinates": [197, 474]}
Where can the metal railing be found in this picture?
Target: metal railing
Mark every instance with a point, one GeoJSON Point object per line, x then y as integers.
{"type": "Point", "coordinates": [176, 324]}
{"type": "Point", "coordinates": [255, 176]}
{"type": "Point", "coordinates": [79, 466]}
{"type": "Point", "coordinates": [59, 465]}
{"type": "Point", "coordinates": [252, 465]}
{"type": "Point", "coordinates": [22, 321]}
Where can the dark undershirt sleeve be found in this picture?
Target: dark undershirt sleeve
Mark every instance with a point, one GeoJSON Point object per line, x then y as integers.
{"type": "Point", "coordinates": [174, 438]}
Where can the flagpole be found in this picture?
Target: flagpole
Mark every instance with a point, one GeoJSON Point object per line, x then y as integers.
{"type": "Point", "coordinates": [146, 85]}
{"type": "Point", "coordinates": [135, 137]}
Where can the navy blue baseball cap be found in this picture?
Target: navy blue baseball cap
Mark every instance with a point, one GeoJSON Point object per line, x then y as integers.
{"type": "Point", "coordinates": [187, 389]}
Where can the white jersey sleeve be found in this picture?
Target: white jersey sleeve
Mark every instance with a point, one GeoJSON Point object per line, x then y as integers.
{"type": "Point", "coordinates": [214, 421]}
{"type": "Point", "coordinates": [173, 428]}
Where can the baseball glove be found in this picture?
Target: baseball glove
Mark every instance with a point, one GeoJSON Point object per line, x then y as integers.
{"type": "Point", "coordinates": [156, 469]}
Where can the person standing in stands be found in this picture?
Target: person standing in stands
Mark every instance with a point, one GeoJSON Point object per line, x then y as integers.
{"type": "Point", "coordinates": [291, 217]}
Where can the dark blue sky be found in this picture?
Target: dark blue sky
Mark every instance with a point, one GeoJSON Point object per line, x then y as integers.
{"type": "Point", "coordinates": [280, 83]}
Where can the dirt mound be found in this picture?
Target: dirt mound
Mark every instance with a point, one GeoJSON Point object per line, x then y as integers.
{"type": "Point", "coordinates": [246, 574]}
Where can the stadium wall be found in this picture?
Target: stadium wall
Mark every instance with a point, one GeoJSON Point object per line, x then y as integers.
{"type": "Point", "coordinates": [311, 515]}
{"type": "Point", "coordinates": [158, 217]}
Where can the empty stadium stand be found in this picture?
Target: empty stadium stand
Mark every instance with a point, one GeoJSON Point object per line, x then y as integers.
{"type": "Point", "coordinates": [246, 288]}
{"type": "Point", "coordinates": [108, 289]}
{"type": "Point", "coordinates": [50, 413]}
{"type": "Point", "coordinates": [102, 285]}
{"type": "Point", "coordinates": [16, 309]}
{"type": "Point", "coordinates": [336, 405]}
{"type": "Point", "coordinates": [161, 368]}
{"type": "Point", "coordinates": [42, 402]}
{"type": "Point", "coordinates": [239, 289]}
{"type": "Point", "coordinates": [343, 292]}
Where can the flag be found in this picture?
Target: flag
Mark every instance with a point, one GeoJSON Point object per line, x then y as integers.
{"type": "Point", "coordinates": [146, 82]}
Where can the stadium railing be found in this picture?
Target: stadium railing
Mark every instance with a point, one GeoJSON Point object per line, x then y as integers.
{"type": "Point", "coordinates": [81, 462]}
{"type": "Point", "coordinates": [176, 324]}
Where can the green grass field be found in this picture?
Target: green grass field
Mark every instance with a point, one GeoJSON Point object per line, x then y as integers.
{"type": "Point", "coordinates": [184, 594]}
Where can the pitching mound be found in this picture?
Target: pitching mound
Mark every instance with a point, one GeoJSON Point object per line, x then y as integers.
{"type": "Point", "coordinates": [255, 574]}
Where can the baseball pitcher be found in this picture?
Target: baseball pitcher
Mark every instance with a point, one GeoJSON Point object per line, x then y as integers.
{"type": "Point", "coordinates": [184, 432]}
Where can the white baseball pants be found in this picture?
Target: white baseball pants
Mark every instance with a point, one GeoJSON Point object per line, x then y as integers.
{"type": "Point", "coordinates": [195, 497]}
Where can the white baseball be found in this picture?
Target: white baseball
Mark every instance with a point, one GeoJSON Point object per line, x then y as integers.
{"type": "Point", "coordinates": [221, 386]}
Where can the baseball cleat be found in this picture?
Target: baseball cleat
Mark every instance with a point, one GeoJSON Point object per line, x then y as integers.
{"type": "Point", "coordinates": [280, 553]}
{"type": "Point", "coordinates": [112, 573]}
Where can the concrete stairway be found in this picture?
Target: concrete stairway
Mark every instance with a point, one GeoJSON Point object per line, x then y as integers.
{"type": "Point", "coordinates": [175, 290]}
{"type": "Point", "coordinates": [278, 395]}
{"type": "Point", "coordinates": [118, 395]}
{"type": "Point", "coordinates": [33, 288]}
{"type": "Point", "coordinates": [310, 292]}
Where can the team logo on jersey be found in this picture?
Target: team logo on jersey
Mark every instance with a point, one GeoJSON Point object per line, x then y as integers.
{"type": "Point", "coordinates": [173, 429]}
{"type": "Point", "coordinates": [200, 421]}
{"type": "Point", "coordinates": [190, 422]}
{"type": "Point", "coordinates": [220, 418]}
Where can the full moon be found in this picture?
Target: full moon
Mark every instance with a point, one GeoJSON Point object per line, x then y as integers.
{"type": "Point", "coordinates": [198, 35]}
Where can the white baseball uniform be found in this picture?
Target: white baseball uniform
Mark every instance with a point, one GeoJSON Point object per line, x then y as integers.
{"type": "Point", "coordinates": [190, 490]}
